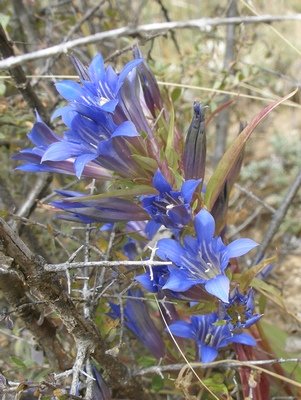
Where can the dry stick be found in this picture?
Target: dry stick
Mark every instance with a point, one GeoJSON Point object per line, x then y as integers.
{"type": "Point", "coordinates": [47, 286]}
{"type": "Point", "coordinates": [172, 33]}
{"type": "Point", "coordinates": [222, 122]}
{"type": "Point", "coordinates": [36, 193]}
{"type": "Point", "coordinates": [130, 31]}
{"type": "Point", "coordinates": [73, 265]}
{"type": "Point", "coordinates": [278, 217]}
{"type": "Point", "coordinates": [18, 75]}
{"type": "Point", "coordinates": [15, 292]}
{"type": "Point", "coordinates": [158, 369]}
{"type": "Point", "coordinates": [73, 30]}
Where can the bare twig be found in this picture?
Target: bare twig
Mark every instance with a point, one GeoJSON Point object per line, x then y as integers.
{"type": "Point", "coordinates": [46, 286]}
{"type": "Point", "coordinates": [18, 75]}
{"type": "Point", "coordinates": [141, 29]}
{"type": "Point", "coordinates": [73, 265]}
{"type": "Point", "coordinates": [38, 190]}
{"type": "Point", "coordinates": [222, 122]}
{"type": "Point", "coordinates": [278, 217]}
{"type": "Point", "coordinates": [71, 32]}
{"type": "Point", "coordinates": [158, 369]}
{"type": "Point", "coordinates": [255, 198]}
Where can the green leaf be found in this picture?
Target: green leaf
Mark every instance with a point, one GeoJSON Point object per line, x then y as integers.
{"type": "Point", "coordinates": [169, 150]}
{"type": "Point", "coordinates": [145, 162]}
{"type": "Point", "coordinates": [269, 292]}
{"type": "Point", "coordinates": [146, 361]}
{"type": "Point", "coordinates": [175, 94]}
{"type": "Point", "coordinates": [215, 383]}
{"type": "Point", "coordinates": [4, 20]}
{"type": "Point", "coordinates": [224, 167]}
{"type": "Point", "coordinates": [2, 88]}
{"type": "Point", "coordinates": [157, 383]}
{"type": "Point", "coordinates": [18, 362]}
{"type": "Point", "coordinates": [246, 277]}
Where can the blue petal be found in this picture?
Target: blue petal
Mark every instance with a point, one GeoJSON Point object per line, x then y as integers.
{"type": "Point", "coordinates": [243, 338]}
{"type": "Point", "coordinates": [69, 90]}
{"type": "Point", "coordinates": [188, 189]}
{"type": "Point", "coordinates": [219, 287]}
{"type": "Point", "coordinates": [123, 74]}
{"type": "Point", "coordinates": [182, 329]}
{"type": "Point", "coordinates": [41, 135]}
{"type": "Point", "coordinates": [97, 68]}
{"type": "Point", "coordinates": [204, 226]}
{"type": "Point", "coordinates": [67, 114]}
{"type": "Point", "coordinates": [62, 151]}
{"type": "Point", "coordinates": [170, 250]}
{"type": "Point", "coordinates": [240, 247]}
{"type": "Point", "coordinates": [151, 229]}
{"type": "Point", "coordinates": [146, 282]}
{"type": "Point", "coordinates": [179, 281]}
{"type": "Point", "coordinates": [207, 353]}
{"type": "Point", "coordinates": [160, 183]}
{"type": "Point", "coordinates": [127, 128]}
{"type": "Point", "coordinates": [81, 162]}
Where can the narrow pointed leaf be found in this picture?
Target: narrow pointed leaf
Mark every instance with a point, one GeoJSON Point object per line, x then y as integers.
{"type": "Point", "coordinates": [225, 165]}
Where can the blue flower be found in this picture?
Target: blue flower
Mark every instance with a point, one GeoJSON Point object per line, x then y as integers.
{"type": "Point", "coordinates": [88, 209]}
{"type": "Point", "coordinates": [44, 138]}
{"type": "Point", "coordinates": [201, 260]}
{"type": "Point", "coordinates": [169, 208]}
{"type": "Point", "coordinates": [209, 334]}
{"type": "Point", "coordinates": [138, 320]}
{"type": "Point", "coordinates": [240, 310]}
{"type": "Point", "coordinates": [154, 281]}
{"type": "Point", "coordinates": [98, 90]}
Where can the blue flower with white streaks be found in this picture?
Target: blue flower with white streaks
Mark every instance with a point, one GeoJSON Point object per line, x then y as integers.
{"type": "Point", "coordinates": [88, 209]}
{"type": "Point", "coordinates": [169, 208]}
{"type": "Point", "coordinates": [201, 260]}
{"type": "Point", "coordinates": [209, 334]}
{"type": "Point", "coordinates": [240, 310]}
{"type": "Point", "coordinates": [43, 138]}
{"type": "Point", "coordinates": [138, 320]}
{"type": "Point", "coordinates": [99, 88]}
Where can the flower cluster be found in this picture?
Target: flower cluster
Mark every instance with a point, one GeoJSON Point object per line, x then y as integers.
{"type": "Point", "coordinates": [111, 135]}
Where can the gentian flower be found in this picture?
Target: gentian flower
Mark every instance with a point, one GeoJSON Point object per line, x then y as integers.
{"type": "Point", "coordinates": [138, 320]}
{"type": "Point", "coordinates": [88, 209]}
{"type": "Point", "coordinates": [201, 260]}
{"type": "Point", "coordinates": [169, 208]}
{"type": "Point", "coordinates": [209, 335]}
{"type": "Point", "coordinates": [98, 90]}
{"type": "Point", "coordinates": [154, 281]}
{"type": "Point", "coordinates": [43, 137]}
{"type": "Point", "coordinates": [240, 310]}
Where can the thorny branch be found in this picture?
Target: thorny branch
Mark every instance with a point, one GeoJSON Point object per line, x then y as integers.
{"type": "Point", "coordinates": [142, 29]}
{"type": "Point", "coordinates": [158, 369]}
{"type": "Point", "coordinates": [83, 264]}
{"type": "Point", "coordinates": [48, 287]}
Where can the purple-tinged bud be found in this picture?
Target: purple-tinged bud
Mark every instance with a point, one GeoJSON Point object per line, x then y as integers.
{"type": "Point", "coordinates": [194, 156]}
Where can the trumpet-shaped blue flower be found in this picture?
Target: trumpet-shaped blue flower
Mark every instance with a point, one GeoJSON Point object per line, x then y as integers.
{"type": "Point", "coordinates": [169, 208]}
{"type": "Point", "coordinates": [98, 90]}
{"type": "Point", "coordinates": [90, 209]}
{"type": "Point", "coordinates": [138, 320]}
{"type": "Point", "coordinates": [43, 138]}
{"type": "Point", "coordinates": [201, 260]}
{"type": "Point", "coordinates": [209, 335]}
{"type": "Point", "coordinates": [240, 310]}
